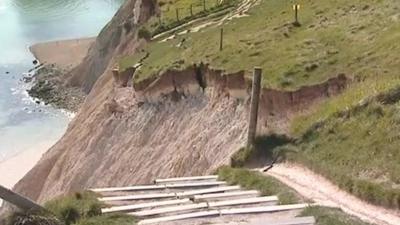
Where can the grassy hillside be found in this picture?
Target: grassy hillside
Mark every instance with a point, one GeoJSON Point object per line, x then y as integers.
{"type": "Point", "coordinates": [358, 148]}
{"type": "Point", "coordinates": [351, 138]}
{"type": "Point", "coordinates": [270, 186]}
{"type": "Point", "coordinates": [351, 37]}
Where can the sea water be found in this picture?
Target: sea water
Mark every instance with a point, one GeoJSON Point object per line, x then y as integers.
{"type": "Point", "coordinates": [25, 124]}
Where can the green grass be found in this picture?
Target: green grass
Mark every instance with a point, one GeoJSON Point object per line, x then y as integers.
{"type": "Point", "coordinates": [357, 148]}
{"type": "Point", "coordinates": [331, 216]}
{"type": "Point", "coordinates": [352, 40]}
{"type": "Point", "coordinates": [84, 209]}
{"type": "Point", "coordinates": [270, 186]}
{"type": "Point", "coordinates": [256, 181]}
{"type": "Point", "coordinates": [355, 145]}
{"type": "Point", "coordinates": [174, 13]}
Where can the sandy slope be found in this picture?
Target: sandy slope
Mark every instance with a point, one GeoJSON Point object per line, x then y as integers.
{"type": "Point", "coordinates": [65, 53]}
{"type": "Point", "coordinates": [324, 192]}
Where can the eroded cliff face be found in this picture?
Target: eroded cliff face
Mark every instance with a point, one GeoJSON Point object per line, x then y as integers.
{"type": "Point", "coordinates": [117, 38]}
{"type": "Point", "coordinates": [183, 123]}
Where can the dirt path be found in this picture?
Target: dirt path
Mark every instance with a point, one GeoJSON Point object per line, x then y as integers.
{"type": "Point", "coordinates": [240, 11]}
{"type": "Point", "coordinates": [324, 192]}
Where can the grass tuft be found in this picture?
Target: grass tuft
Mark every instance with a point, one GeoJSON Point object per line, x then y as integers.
{"type": "Point", "coordinates": [256, 181]}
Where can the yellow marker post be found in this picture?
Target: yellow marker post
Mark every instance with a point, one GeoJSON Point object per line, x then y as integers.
{"type": "Point", "coordinates": [296, 9]}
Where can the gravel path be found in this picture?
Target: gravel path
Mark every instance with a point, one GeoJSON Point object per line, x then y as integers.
{"type": "Point", "coordinates": [324, 192]}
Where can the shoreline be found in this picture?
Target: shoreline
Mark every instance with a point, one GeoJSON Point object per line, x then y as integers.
{"type": "Point", "coordinates": [64, 54]}
{"type": "Point", "coordinates": [13, 169]}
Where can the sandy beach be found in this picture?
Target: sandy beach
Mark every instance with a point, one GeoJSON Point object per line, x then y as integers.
{"type": "Point", "coordinates": [13, 169]}
{"type": "Point", "coordinates": [66, 54]}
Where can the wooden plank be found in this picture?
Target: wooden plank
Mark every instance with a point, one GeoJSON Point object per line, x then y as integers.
{"type": "Point", "coordinates": [169, 195]}
{"type": "Point", "coordinates": [292, 221]}
{"type": "Point", "coordinates": [227, 194]}
{"type": "Point", "coordinates": [266, 209]}
{"type": "Point", "coordinates": [271, 199]}
{"type": "Point", "coordinates": [132, 188]}
{"type": "Point", "coordinates": [18, 200]}
{"type": "Point", "coordinates": [138, 197]}
{"type": "Point", "coordinates": [181, 179]}
{"type": "Point", "coordinates": [169, 209]}
{"type": "Point", "coordinates": [159, 187]}
{"type": "Point", "coordinates": [126, 208]}
{"type": "Point", "coordinates": [196, 184]}
{"type": "Point", "coordinates": [208, 190]}
{"type": "Point", "coordinates": [263, 209]}
{"type": "Point", "coordinates": [204, 205]}
{"type": "Point", "coordinates": [179, 217]}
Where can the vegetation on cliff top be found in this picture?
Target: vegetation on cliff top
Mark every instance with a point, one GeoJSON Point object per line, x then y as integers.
{"type": "Point", "coordinates": [352, 37]}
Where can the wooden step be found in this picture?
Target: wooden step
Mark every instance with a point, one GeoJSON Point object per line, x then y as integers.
{"type": "Point", "coordinates": [204, 205]}
{"type": "Point", "coordinates": [127, 208]}
{"type": "Point", "coordinates": [170, 195]}
{"type": "Point", "coordinates": [292, 221]}
{"type": "Point", "coordinates": [159, 187]}
{"type": "Point", "coordinates": [224, 195]}
{"type": "Point", "coordinates": [265, 209]}
{"type": "Point", "coordinates": [184, 179]}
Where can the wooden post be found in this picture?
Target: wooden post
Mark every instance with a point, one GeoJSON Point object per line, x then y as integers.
{"type": "Point", "coordinates": [255, 98]}
{"type": "Point", "coordinates": [177, 15]}
{"type": "Point", "coordinates": [204, 5]}
{"type": "Point", "coordinates": [296, 9]}
{"type": "Point", "coordinates": [221, 39]}
{"type": "Point", "coordinates": [18, 200]}
{"type": "Point", "coordinates": [115, 73]}
{"type": "Point", "coordinates": [191, 10]}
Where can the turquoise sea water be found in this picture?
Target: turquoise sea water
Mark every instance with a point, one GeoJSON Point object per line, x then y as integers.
{"type": "Point", "coordinates": [23, 123]}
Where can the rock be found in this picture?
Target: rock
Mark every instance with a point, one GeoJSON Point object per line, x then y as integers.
{"type": "Point", "coordinates": [7, 72]}
{"type": "Point", "coordinates": [311, 67]}
{"type": "Point", "coordinates": [365, 7]}
{"type": "Point", "coordinates": [37, 102]}
{"type": "Point", "coordinates": [35, 62]}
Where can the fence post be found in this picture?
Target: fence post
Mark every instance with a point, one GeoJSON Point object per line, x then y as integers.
{"type": "Point", "coordinates": [191, 10]}
{"type": "Point", "coordinates": [255, 98]}
{"type": "Point", "coordinates": [18, 200]}
{"type": "Point", "coordinates": [177, 15]}
{"type": "Point", "coordinates": [221, 38]}
{"type": "Point", "coordinates": [204, 5]}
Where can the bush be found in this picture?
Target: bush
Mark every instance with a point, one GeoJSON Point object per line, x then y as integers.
{"type": "Point", "coordinates": [265, 149]}
{"type": "Point", "coordinates": [144, 33]}
{"type": "Point", "coordinates": [69, 215]}
{"type": "Point", "coordinates": [19, 218]}
{"type": "Point", "coordinates": [73, 207]}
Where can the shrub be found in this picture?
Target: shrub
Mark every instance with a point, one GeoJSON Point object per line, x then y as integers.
{"type": "Point", "coordinates": [69, 214]}
{"type": "Point", "coordinates": [19, 218]}
{"type": "Point", "coordinates": [144, 33]}
{"type": "Point", "coordinates": [265, 149]}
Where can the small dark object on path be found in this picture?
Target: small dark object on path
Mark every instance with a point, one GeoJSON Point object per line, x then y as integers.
{"type": "Point", "coordinates": [7, 72]}
{"type": "Point", "coordinates": [35, 62]}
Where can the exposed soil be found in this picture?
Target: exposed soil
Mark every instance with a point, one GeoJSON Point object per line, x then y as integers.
{"type": "Point", "coordinates": [324, 192]}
